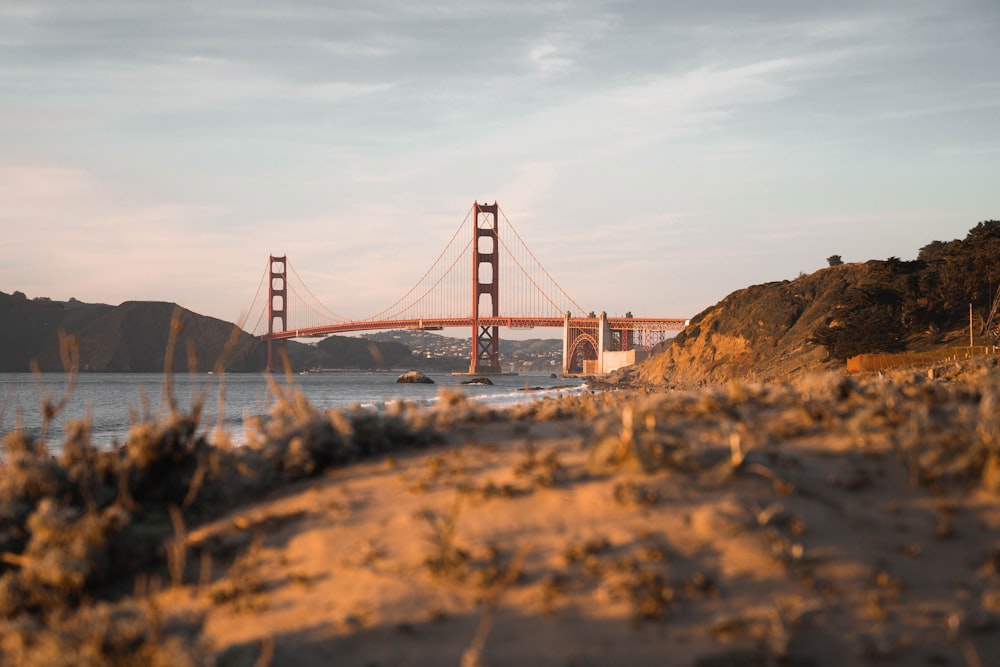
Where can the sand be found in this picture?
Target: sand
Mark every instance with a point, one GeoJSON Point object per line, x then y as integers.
{"type": "Point", "coordinates": [834, 521]}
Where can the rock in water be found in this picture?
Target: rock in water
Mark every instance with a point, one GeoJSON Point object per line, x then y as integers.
{"type": "Point", "coordinates": [478, 381]}
{"type": "Point", "coordinates": [414, 377]}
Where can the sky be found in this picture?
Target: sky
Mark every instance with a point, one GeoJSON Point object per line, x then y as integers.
{"type": "Point", "coordinates": [654, 155]}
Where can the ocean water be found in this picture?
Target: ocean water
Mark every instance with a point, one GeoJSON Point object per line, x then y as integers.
{"type": "Point", "coordinates": [114, 401]}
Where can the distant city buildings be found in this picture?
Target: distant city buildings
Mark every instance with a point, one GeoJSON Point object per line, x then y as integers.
{"type": "Point", "coordinates": [533, 355]}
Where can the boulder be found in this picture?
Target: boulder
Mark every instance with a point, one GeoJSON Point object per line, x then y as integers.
{"type": "Point", "coordinates": [479, 380]}
{"type": "Point", "coordinates": [414, 377]}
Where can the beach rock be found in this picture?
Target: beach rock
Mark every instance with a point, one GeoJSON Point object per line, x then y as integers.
{"type": "Point", "coordinates": [480, 380]}
{"type": "Point", "coordinates": [414, 377]}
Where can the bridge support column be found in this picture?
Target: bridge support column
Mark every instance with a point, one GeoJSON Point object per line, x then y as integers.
{"type": "Point", "coordinates": [277, 300]}
{"type": "Point", "coordinates": [603, 340]}
{"type": "Point", "coordinates": [485, 282]}
{"type": "Point", "coordinates": [566, 344]}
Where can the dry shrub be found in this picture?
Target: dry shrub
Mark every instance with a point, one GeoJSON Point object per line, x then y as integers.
{"type": "Point", "coordinates": [103, 635]}
{"type": "Point", "coordinates": [945, 430]}
{"type": "Point", "coordinates": [161, 458]}
{"type": "Point", "coordinates": [451, 409]}
{"type": "Point", "coordinates": [28, 473]}
{"type": "Point", "coordinates": [546, 471]}
{"type": "Point", "coordinates": [663, 433]}
{"type": "Point", "coordinates": [298, 440]}
{"type": "Point", "coordinates": [446, 559]}
{"type": "Point", "coordinates": [93, 473]}
{"type": "Point", "coordinates": [66, 550]}
{"type": "Point", "coordinates": [562, 407]}
{"type": "Point", "coordinates": [245, 582]}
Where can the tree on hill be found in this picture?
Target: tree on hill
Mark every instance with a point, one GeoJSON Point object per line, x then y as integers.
{"type": "Point", "coordinates": [958, 273]}
{"type": "Point", "coordinates": [931, 293]}
{"type": "Point", "coordinates": [867, 320]}
{"type": "Point", "coordinates": [834, 260]}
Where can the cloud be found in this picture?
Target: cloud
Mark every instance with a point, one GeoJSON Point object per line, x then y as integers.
{"type": "Point", "coordinates": [547, 59]}
{"type": "Point", "coordinates": [556, 52]}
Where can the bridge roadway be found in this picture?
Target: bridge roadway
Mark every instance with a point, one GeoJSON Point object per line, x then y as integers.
{"type": "Point", "coordinates": [614, 323]}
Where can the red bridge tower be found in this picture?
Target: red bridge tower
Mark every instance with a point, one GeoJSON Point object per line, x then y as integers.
{"type": "Point", "coordinates": [485, 282]}
{"type": "Point", "coordinates": [277, 307]}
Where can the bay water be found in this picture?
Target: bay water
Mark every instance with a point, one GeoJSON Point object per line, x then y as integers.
{"type": "Point", "coordinates": [114, 401]}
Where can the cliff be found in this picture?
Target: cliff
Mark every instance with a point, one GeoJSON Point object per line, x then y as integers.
{"type": "Point", "coordinates": [779, 330]}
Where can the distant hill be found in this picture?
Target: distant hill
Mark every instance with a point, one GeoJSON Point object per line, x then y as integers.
{"type": "Point", "coordinates": [778, 330]}
{"type": "Point", "coordinates": [133, 337]}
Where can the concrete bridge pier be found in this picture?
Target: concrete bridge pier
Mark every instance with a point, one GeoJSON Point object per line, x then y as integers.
{"type": "Point", "coordinates": [591, 338]}
{"type": "Point", "coordinates": [565, 354]}
{"type": "Point", "coordinates": [603, 338]}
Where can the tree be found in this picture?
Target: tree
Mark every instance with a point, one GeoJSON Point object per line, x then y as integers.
{"type": "Point", "coordinates": [867, 320]}
{"type": "Point", "coordinates": [933, 250]}
{"type": "Point", "coordinates": [834, 260]}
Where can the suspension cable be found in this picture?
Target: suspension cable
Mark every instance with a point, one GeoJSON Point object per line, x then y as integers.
{"type": "Point", "coordinates": [375, 317]}
{"type": "Point", "coordinates": [306, 304]}
{"type": "Point", "coordinates": [444, 275]}
{"type": "Point", "coordinates": [241, 323]}
{"type": "Point", "coordinates": [329, 311]}
{"type": "Point", "coordinates": [547, 275]}
{"type": "Point", "coordinates": [260, 318]}
{"type": "Point", "coordinates": [532, 280]}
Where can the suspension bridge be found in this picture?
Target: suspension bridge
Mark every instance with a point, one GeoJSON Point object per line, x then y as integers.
{"type": "Point", "coordinates": [485, 278]}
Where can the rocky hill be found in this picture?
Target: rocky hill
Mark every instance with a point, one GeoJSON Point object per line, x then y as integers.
{"type": "Point", "coordinates": [779, 330]}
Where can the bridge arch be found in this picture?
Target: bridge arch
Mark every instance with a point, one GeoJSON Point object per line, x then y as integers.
{"type": "Point", "coordinates": [584, 347]}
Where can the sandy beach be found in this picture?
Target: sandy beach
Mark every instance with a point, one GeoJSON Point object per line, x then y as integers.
{"type": "Point", "coordinates": [830, 521]}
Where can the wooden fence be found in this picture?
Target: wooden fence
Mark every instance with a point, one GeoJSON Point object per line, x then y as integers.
{"type": "Point", "coordinates": [877, 362]}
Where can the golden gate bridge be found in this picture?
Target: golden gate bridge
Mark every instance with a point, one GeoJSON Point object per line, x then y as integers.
{"type": "Point", "coordinates": [486, 278]}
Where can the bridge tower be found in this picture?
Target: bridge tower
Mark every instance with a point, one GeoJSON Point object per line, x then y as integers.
{"type": "Point", "coordinates": [277, 306]}
{"type": "Point", "coordinates": [485, 282]}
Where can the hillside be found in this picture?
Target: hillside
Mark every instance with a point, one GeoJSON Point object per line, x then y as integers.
{"type": "Point", "coordinates": [133, 337]}
{"type": "Point", "coordinates": [778, 330]}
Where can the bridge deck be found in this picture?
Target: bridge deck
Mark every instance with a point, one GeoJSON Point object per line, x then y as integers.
{"type": "Point", "coordinates": [615, 323]}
